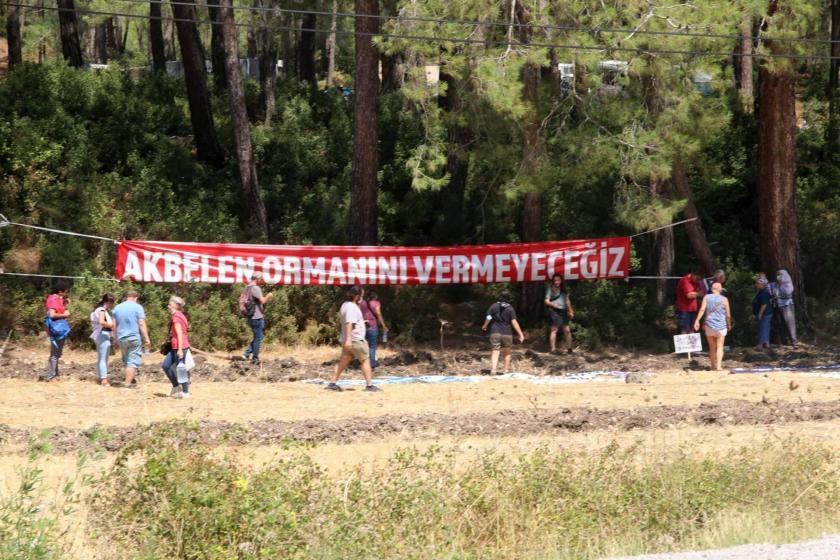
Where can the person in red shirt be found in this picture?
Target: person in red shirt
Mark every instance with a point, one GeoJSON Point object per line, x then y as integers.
{"type": "Point", "coordinates": [56, 307]}
{"type": "Point", "coordinates": [689, 290]}
{"type": "Point", "coordinates": [174, 365]}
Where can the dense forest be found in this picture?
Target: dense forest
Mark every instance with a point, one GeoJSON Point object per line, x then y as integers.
{"type": "Point", "coordinates": [425, 123]}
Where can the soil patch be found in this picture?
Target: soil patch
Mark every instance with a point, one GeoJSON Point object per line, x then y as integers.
{"type": "Point", "coordinates": [417, 362]}
{"type": "Point", "coordinates": [504, 423]}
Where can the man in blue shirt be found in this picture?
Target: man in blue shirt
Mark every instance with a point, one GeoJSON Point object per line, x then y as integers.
{"type": "Point", "coordinates": [130, 320]}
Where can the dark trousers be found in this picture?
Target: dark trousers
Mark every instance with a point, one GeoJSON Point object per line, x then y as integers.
{"type": "Point", "coordinates": [56, 348]}
{"type": "Point", "coordinates": [258, 330]}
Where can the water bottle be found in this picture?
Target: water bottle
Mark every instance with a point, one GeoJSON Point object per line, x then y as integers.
{"type": "Point", "coordinates": [384, 337]}
{"type": "Point", "coordinates": [181, 370]}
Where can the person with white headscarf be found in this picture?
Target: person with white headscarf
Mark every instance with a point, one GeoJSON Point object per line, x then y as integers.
{"type": "Point", "coordinates": [782, 292]}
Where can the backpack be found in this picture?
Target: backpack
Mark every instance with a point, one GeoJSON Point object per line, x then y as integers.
{"type": "Point", "coordinates": [247, 307]}
{"type": "Point", "coordinates": [58, 328]}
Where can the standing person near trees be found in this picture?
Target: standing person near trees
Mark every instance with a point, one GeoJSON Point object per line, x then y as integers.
{"type": "Point", "coordinates": [353, 343]}
{"type": "Point", "coordinates": [130, 325]}
{"type": "Point", "coordinates": [102, 326]}
{"type": "Point", "coordinates": [501, 318]}
{"type": "Point", "coordinates": [560, 312]}
{"type": "Point", "coordinates": [717, 322]}
{"type": "Point", "coordinates": [56, 325]}
{"type": "Point", "coordinates": [252, 306]}
{"type": "Point", "coordinates": [372, 313]}
{"type": "Point", "coordinates": [175, 364]}
{"type": "Point", "coordinates": [762, 308]}
{"type": "Point", "coordinates": [782, 293]}
{"type": "Point", "coordinates": [689, 291]}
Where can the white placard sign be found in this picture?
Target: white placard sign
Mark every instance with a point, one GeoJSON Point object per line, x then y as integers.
{"type": "Point", "coordinates": [684, 343]}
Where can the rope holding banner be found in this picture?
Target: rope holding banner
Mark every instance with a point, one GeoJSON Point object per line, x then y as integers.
{"type": "Point", "coordinates": [663, 227]}
{"type": "Point", "coordinates": [4, 221]}
{"type": "Point", "coordinates": [3, 273]}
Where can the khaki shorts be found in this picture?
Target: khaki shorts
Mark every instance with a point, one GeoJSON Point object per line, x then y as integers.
{"type": "Point", "coordinates": [359, 351]}
{"type": "Point", "coordinates": [498, 341]}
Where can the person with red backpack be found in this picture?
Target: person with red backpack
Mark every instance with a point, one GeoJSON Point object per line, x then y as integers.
{"type": "Point", "coordinates": [252, 306]}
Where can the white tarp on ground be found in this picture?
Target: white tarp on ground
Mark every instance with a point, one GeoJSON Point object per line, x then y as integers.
{"type": "Point", "coordinates": [580, 377]}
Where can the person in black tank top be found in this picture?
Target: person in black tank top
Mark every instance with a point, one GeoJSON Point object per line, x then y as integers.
{"type": "Point", "coordinates": [501, 320]}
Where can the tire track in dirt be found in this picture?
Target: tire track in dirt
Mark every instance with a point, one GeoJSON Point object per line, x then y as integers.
{"type": "Point", "coordinates": [507, 423]}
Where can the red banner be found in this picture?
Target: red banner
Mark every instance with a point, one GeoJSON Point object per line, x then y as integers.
{"type": "Point", "coordinates": [163, 261]}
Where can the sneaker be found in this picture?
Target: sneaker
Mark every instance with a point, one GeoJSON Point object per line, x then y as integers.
{"type": "Point", "coordinates": [373, 389]}
{"type": "Point", "coordinates": [332, 387]}
{"type": "Point", "coordinates": [570, 351]}
{"type": "Point", "coordinates": [182, 395]}
{"type": "Point", "coordinates": [246, 356]}
{"type": "Point", "coordinates": [175, 392]}
{"type": "Point", "coordinates": [256, 362]}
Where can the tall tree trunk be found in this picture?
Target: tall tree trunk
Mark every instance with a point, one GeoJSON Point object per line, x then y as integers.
{"type": "Point", "coordinates": [833, 143]}
{"type": "Point", "coordinates": [71, 48]}
{"type": "Point", "coordinates": [306, 58]}
{"type": "Point", "coordinates": [392, 78]}
{"type": "Point", "coordinates": [363, 211]}
{"type": "Point", "coordinates": [331, 44]}
{"type": "Point", "coordinates": [156, 37]}
{"type": "Point", "coordinates": [663, 247]}
{"type": "Point", "coordinates": [777, 175]}
{"type": "Point", "coordinates": [252, 200]}
{"type": "Point", "coordinates": [268, 72]}
{"type": "Point", "coordinates": [696, 233]}
{"type": "Point", "coordinates": [100, 43]}
{"type": "Point", "coordinates": [450, 230]}
{"type": "Point", "coordinates": [195, 78]}
{"type": "Point", "coordinates": [532, 151]}
{"type": "Point", "coordinates": [744, 65]}
{"type": "Point", "coordinates": [217, 47]}
{"type": "Point", "coordinates": [13, 35]}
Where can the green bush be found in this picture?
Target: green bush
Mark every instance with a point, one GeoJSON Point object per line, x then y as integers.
{"type": "Point", "coordinates": [187, 502]}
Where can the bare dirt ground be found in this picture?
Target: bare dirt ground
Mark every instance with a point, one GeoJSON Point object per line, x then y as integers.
{"type": "Point", "coordinates": [259, 413]}
{"type": "Point", "coordinates": [238, 403]}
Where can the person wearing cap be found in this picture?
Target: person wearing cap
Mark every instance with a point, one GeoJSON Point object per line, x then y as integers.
{"type": "Point", "coordinates": [130, 325]}
{"type": "Point", "coordinates": [174, 365]}
{"type": "Point", "coordinates": [763, 310]}
{"type": "Point", "coordinates": [717, 322]}
{"type": "Point", "coordinates": [501, 320]}
{"type": "Point", "coordinates": [353, 343]}
{"type": "Point", "coordinates": [257, 320]}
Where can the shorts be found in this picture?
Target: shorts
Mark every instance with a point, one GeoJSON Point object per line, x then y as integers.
{"type": "Point", "coordinates": [498, 340]}
{"type": "Point", "coordinates": [132, 352]}
{"type": "Point", "coordinates": [360, 351]}
{"type": "Point", "coordinates": [713, 332]}
{"type": "Point", "coordinates": [558, 317]}
{"type": "Point", "coordinates": [685, 320]}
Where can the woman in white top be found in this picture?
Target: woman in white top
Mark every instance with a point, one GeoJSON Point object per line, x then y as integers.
{"type": "Point", "coordinates": [102, 325]}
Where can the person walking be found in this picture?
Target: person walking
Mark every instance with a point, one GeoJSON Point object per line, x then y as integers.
{"type": "Point", "coordinates": [102, 327]}
{"type": "Point", "coordinates": [130, 325]}
{"type": "Point", "coordinates": [57, 326]}
{"type": "Point", "coordinates": [560, 313]}
{"type": "Point", "coordinates": [175, 363]}
{"type": "Point", "coordinates": [762, 308]}
{"type": "Point", "coordinates": [782, 294]}
{"type": "Point", "coordinates": [501, 319]}
{"type": "Point", "coordinates": [372, 313]}
{"type": "Point", "coordinates": [689, 292]}
{"type": "Point", "coordinates": [353, 343]}
{"type": "Point", "coordinates": [256, 319]}
{"type": "Point", "coordinates": [717, 322]}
